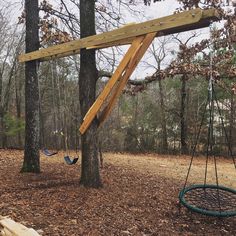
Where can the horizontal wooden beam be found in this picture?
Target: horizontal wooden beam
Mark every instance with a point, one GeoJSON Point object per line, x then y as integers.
{"type": "Point", "coordinates": [175, 23]}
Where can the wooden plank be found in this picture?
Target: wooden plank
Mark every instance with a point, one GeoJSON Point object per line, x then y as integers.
{"type": "Point", "coordinates": [12, 228]}
{"type": "Point", "coordinates": [170, 24]}
{"type": "Point", "coordinates": [116, 76]}
{"type": "Point", "coordinates": [123, 81]}
{"type": "Point", "coordinates": [110, 84]}
{"type": "Point", "coordinates": [106, 45]}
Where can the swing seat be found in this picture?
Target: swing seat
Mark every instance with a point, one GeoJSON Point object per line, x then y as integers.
{"type": "Point", "coordinates": [46, 152]}
{"type": "Point", "coordinates": [69, 161]}
{"type": "Point", "coordinates": [209, 199]}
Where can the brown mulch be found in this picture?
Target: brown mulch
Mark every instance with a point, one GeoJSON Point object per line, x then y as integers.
{"type": "Point", "coordinates": [139, 197]}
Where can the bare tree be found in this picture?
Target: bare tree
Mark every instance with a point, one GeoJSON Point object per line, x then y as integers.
{"type": "Point", "coordinates": [90, 176]}
{"type": "Point", "coordinates": [10, 45]}
{"type": "Point", "coordinates": [31, 155]}
{"type": "Point", "coordinates": [160, 54]}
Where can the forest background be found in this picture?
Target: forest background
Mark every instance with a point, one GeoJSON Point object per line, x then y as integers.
{"type": "Point", "coordinates": [163, 104]}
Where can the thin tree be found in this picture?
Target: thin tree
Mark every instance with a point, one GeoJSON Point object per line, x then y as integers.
{"type": "Point", "coordinates": [159, 56]}
{"type": "Point", "coordinates": [186, 59]}
{"type": "Point", "coordinates": [31, 155]}
{"type": "Point", "coordinates": [90, 176]}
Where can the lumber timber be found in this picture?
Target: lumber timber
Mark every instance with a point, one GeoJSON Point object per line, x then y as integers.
{"type": "Point", "coordinates": [12, 228]}
{"type": "Point", "coordinates": [188, 20]}
{"type": "Point", "coordinates": [110, 84]}
{"type": "Point", "coordinates": [129, 70]}
{"type": "Point", "coordinates": [139, 49]}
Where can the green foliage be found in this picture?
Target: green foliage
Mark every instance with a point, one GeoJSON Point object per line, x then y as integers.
{"type": "Point", "coordinates": [126, 105]}
{"type": "Point", "coordinates": [13, 125]}
{"type": "Point", "coordinates": [173, 84]}
{"type": "Point", "coordinates": [234, 56]}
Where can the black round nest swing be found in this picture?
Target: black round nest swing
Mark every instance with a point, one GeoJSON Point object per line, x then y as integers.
{"type": "Point", "coordinates": [209, 199]}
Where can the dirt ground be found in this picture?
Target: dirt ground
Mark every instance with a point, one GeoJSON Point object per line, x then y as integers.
{"type": "Point", "coordinates": [139, 196]}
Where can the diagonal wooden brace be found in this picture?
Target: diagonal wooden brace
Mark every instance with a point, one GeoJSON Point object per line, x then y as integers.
{"type": "Point", "coordinates": [124, 79]}
{"type": "Point", "coordinates": [92, 112]}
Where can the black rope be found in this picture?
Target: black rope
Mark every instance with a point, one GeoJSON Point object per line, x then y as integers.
{"type": "Point", "coordinates": [217, 184]}
{"type": "Point", "coordinates": [206, 199]}
{"type": "Point", "coordinates": [195, 145]}
{"type": "Point", "coordinates": [209, 133]}
{"type": "Point", "coordinates": [55, 118]}
{"type": "Point", "coordinates": [226, 135]}
{"type": "Point", "coordinates": [214, 156]}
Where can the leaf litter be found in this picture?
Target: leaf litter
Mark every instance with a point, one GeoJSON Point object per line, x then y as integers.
{"type": "Point", "coordinates": [139, 197]}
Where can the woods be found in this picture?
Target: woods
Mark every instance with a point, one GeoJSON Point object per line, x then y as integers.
{"type": "Point", "coordinates": [106, 107]}
{"type": "Point", "coordinates": [178, 104]}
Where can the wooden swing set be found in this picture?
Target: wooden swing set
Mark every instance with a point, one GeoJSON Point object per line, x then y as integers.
{"type": "Point", "coordinates": [139, 37]}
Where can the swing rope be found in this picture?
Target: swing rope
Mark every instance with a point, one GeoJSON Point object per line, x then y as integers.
{"type": "Point", "coordinates": [45, 151]}
{"type": "Point", "coordinates": [226, 135]}
{"type": "Point", "coordinates": [68, 160]}
{"type": "Point", "coordinates": [212, 200]}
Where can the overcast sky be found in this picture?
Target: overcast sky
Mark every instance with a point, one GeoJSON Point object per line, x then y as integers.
{"type": "Point", "coordinates": [156, 10]}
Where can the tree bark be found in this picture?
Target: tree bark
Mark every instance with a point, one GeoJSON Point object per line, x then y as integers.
{"type": "Point", "coordinates": [1, 113]}
{"type": "Point", "coordinates": [232, 123]}
{"type": "Point", "coordinates": [31, 155]}
{"type": "Point", "coordinates": [18, 100]}
{"type": "Point", "coordinates": [90, 176]}
{"type": "Point", "coordinates": [163, 119]}
{"type": "Point", "coordinates": [183, 125]}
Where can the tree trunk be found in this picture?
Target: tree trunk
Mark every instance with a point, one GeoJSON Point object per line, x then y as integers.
{"type": "Point", "coordinates": [232, 122]}
{"type": "Point", "coordinates": [2, 130]}
{"type": "Point", "coordinates": [183, 125]}
{"type": "Point", "coordinates": [31, 155]}
{"type": "Point", "coordinates": [41, 125]}
{"type": "Point", "coordinates": [88, 76]}
{"type": "Point", "coordinates": [18, 108]}
{"type": "Point", "coordinates": [163, 119]}
{"type": "Point", "coordinates": [1, 112]}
